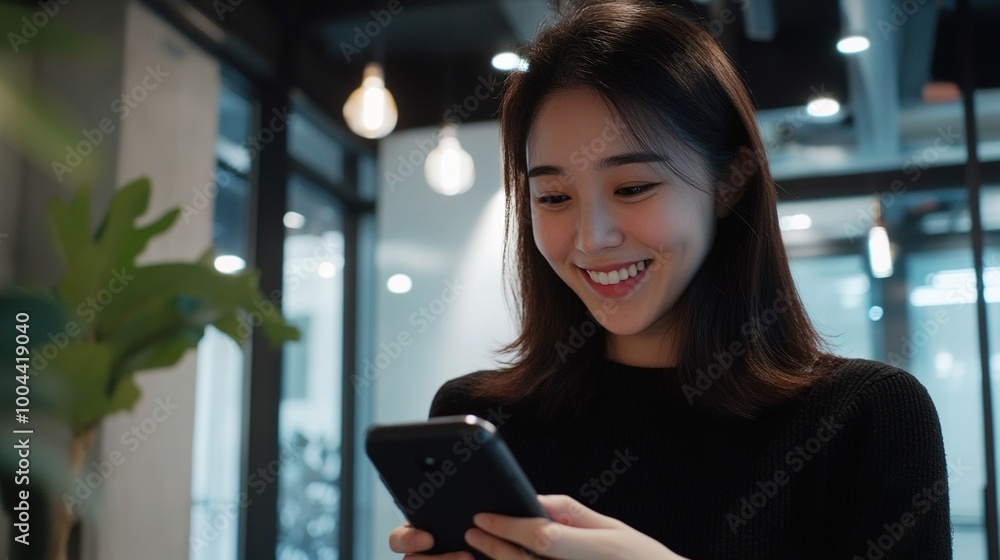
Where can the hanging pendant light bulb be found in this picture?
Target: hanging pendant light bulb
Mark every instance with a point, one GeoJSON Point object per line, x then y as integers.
{"type": "Point", "coordinates": [449, 169]}
{"type": "Point", "coordinates": [370, 110]}
{"type": "Point", "coordinates": [879, 249]}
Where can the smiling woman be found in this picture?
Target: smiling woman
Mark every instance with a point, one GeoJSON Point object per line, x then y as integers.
{"type": "Point", "coordinates": [666, 371]}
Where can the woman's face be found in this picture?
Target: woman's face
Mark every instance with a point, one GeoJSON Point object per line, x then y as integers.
{"type": "Point", "coordinates": [623, 233]}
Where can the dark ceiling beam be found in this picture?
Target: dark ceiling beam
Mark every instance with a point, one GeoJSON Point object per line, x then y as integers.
{"type": "Point", "coordinates": [321, 12]}
{"type": "Point", "coordinates": [318, 13]}
{"type": "Point", "coordinates": [883, 182]}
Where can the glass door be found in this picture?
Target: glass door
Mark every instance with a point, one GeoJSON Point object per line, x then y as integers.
{"type": "Point", "coordinates": [310, 410]}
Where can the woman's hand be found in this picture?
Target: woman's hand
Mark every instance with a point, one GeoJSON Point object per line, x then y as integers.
{"type": "Point", "coordinates": [412, 541]}
{"type": "Point", "coordinates": [575, 532]}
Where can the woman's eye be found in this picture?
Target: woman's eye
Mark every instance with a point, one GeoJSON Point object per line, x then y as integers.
{"type": "Point", "coordinates": [634, 190]}
{"type": "Point", "coordinates": [550, 199]}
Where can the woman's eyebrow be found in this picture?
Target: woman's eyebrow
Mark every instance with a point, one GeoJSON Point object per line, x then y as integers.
{"type": "Point", "coordinates": [540, 170]}
{"type": "Point", "coordinates": [606, 163]}
{"type": "Point", "coordinates": [629, 158]}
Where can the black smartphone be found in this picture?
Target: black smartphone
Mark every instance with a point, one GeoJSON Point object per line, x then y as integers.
{"type": "Point", "coordinates": [444, 470]}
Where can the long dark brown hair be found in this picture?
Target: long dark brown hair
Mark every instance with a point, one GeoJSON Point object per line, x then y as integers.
{"type": "Point", "coordinates": [744, 340]}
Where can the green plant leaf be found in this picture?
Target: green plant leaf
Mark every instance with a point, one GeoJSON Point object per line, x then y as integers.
{"type": "Point", "coordinates": [175, 302]}
{"type": "Point", "coordinates": [94, 260]}
{"type": "Point", "coordinates": [210, 295]}
{"type": "Point", "coordinates": [67, 222]}
{"type": "Point", "coordinates": [278, 331]}
{"type": "Point", "coordinates": [138, 317]}
{"type": "Point", "coordinates": [124, 396]}
{"type": "Point", "coordinates": [161, 353]}
{"type": "Point", "coordinates": [229, 325]}
{"type": "Point", "coordinates": [81, 371]}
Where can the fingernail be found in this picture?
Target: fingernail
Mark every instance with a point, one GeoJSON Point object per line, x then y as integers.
{"type": "Point", "coordinates": [483, 520]}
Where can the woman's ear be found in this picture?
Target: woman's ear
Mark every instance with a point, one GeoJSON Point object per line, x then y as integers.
{"type": "Point", "coordinates": [733, 182]}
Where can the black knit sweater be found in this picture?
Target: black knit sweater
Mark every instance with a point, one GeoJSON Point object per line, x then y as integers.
{"type": "Point", "coordinates": [853, 470]}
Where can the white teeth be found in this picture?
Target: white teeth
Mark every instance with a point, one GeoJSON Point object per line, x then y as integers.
{"type": "Point", "coordinates": [616, 276]}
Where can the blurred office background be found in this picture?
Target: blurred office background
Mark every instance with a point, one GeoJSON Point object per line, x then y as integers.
{"type": "Point", "coordinates": [397, 287]}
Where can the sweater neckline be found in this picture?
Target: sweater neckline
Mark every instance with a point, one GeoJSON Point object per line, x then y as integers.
{"type": "Point", "coordinates": [638, 370]}
{"type": "Point", "coordinates": [636, 381]}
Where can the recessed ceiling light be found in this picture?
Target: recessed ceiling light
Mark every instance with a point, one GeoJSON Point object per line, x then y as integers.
{"type": "Point", "coordinates": [294, 220]}
{"type": "Point", "coordinates": [853, 44]}
{"type": "Point", "coordinates": [228, 264]}
{"type": "Point", "coordinates": [823, 107]}
{"type": "Point", "coordinates": [875, 313]}
{"type": "Point", "coordinates": [326, 269]}
{"type": "Point", "coordinates": [795, 221]}
{"type": "Point", "coordinates": [399, 283]}
{"type": "Point", "coordinates": [507, 60]}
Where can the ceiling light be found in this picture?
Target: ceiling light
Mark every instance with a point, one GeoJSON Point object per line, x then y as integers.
{"type": "Point", "coordinates": [879, 253]}
{"type": "Point", "coordinates": [879, 250]}
{"type": "Point", "coordinates": [509, 61]}
{"type": "Point", "coordinates": [228, 264]}
{"type": "Point", "coordinates": [853, 44]}
{"type": "Point", "coordinates": [875, 313]}
{"type": "Point", "coordinates": [795, 221]}
{"type": "Point", "coordinates": [449, 169]}
{"type": "Point", "coordinates": [823, 107]}
{"type": "Point", "coordinates": [370, 110]}
{"type": "Point", "coordinates": [294, 220]}
{"type": "Point", "coordinates": [326, 269]}
{"type": "Point", "coordinates": [399, 283]}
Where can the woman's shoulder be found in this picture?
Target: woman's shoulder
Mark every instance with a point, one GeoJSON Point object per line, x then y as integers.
{"type": "Point", "coordinates": [460, 395]}
{"type": "Point", "coordinates": [853, 384]}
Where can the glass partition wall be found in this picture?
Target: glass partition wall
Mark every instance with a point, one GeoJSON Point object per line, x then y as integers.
{"type": "Point", "coordinates": [215, 473]}
{"type": "Point", "coordinates": [327, 200]}
{"type": "Point", "coordinates": [921, 317]}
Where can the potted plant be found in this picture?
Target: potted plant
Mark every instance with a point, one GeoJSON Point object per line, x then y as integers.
{"type": "Point", "coordinates": [106, 320]}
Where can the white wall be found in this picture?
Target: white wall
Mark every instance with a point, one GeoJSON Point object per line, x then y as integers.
{"type": "Point", "coordinates": [438, 241]}
{"type": "Point", "coordinates": [170, 137]}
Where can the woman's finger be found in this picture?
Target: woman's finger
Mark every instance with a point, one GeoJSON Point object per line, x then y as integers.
{"type": "Point", "coordinates": [495, 548]}
{"type": "Point", "coordinates": [543, 537]}
{"type": "Point", "coordinates": [407, 539]}
{"type": "Point", "coordinates": [568, 511]}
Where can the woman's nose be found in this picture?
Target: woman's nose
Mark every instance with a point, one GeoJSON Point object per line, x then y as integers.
{"type": "Point", "coordinates": [597, 229]}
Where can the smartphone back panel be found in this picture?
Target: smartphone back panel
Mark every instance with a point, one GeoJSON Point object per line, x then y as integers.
{"type": "Point", "coordinates": [443, 471]}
